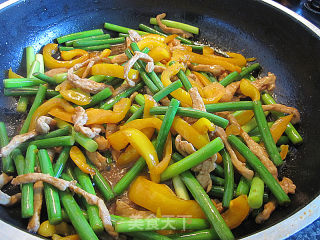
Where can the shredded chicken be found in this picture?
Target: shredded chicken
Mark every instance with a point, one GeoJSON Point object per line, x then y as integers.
{"type": "Point", "coordinates": [44, 124]}
{"type": "Point", "coordinates": [97, 159]}
{"type": "Point", "coordinates": [231, 89]}
{"type": "Point", "coordinates": [240, 166]}
{"type": "Point", "coordinates": [170, 30]}
{"type": "Point", "coordinates": [124, 86]}
{"type": "Point", "coordinates": [34, 222]}
{"type": "Point", "coordinates": [133, 95]}
{"type": "Point", "coordinates": [55, 71]}
{"type": "Point", "coordinates": [16, 141]}
{"type": "Point", "coordinates": [265, 83]}
{"type": "Point", "coordinates": [283, 109]}
{"type": "Point", "coordinates": [128, 42]}
{"type": "Point", "coordinates": [125, 210]}
{"type": "Point", "coordinates": [111, 128]}
{"type": "Point", "coordinates": [87, 70]}
{"type": "Point", "coordinates": [258, 150]}
{"type": "Point", "coordinates": [119, 59]}
{"type": "Point", "coordinates": [159, 69]}
{"type": "Point", "coordinates": [62, 185]}
{"type": "Point", "coordinates": [137, 55]}
{"type": "Point", "coordinates": [79, 119]}
{"type": "Point", "coordinates": [51, 153]}
{"type": "Point", "coordinates": [100, 126]}
{"type": "Point", "coordinates": [134, 36]}
{"type": "Point", "coordinates": [85, 84]}
{"type": "Point", "coordinates": [4, 179]}
{"type": "Point", "coordinates": [288, 187]}
{"type": "Point", "coordinates": [214, 69]}
{"type": "Point", "coordinates": [165, 101]}
{"type": "Point", "coordinates": [115, 50]}
{"type": "Point", "coordinates": [203, 169]}
{"type": "Point", "coordinates": [197, 101]}
{"type": "Point", "coordinates": [103, 143]}
{"type": "Point", "coordinates": [268, 208]}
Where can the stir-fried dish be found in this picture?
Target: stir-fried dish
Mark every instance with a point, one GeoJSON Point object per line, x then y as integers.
{"type": "Point", "coordinates": [146, 135]}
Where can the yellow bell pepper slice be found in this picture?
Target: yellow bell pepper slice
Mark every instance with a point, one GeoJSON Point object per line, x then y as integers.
{"type": "Point", "coordinates": [149, 102]}
{"type": "Point", "coordinates": [159, 53]}
{"type": "Point", "coordinates": [278, 128]}
{"type": "Point", "coordinates": [113, 70]}
{"type": "Point", "coordinates": [207, 50]}
{"type": "Point", "coordinates": [237, 59]}
{"type": "Point", "coordinates": [237, 212]}
{"type": "Point", "coordinates": [60, 113]}
{"type": "Point", "coordinates": [244, 117]}
{"type": "Point", "coordinates": [184, 56]}
{"type": "Point", "coordinates": [205, 81]}
{"type": "Point", "coordinates": [249, 90]}
{"type": "Point", "coordinates": [203, 125]}
{"type": "Point", "coordinates": [80, 160]}
{"type": "Point", "coordinates": [284, 151]}
{"type": "Point", "coordinates": [153, 196]}
{"type": "Point", "coordinates": [154, 36]}
{"type": "Point", "coordinates": [179, 94]}
{"type": "Point", "coordinates": [46, 107]}
{"type": "Point", "coordinates": [151, 43]}
{"type": "Point", "coordinates": [100, 116]}
{"type": "Point", "coordinates": [189, 133]}
{"type": "Point", "coordinates": [12, 74]}
{"type": "Point", "coordinates": [51, 62]}
{"type": "Point", "coordinates": [166, 159]}
{"type": "Point", "coordinates": [131, 155]}
{"type": "Point", "coordinates": [76, 96]}
{"type": "Point", "coordinates": [213, 92]}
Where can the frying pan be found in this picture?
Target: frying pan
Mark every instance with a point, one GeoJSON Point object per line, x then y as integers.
{"type": "Point", "coordinates": [282, 42]}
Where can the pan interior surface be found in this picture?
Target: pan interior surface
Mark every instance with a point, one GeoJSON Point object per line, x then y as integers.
{"type": "Point", "coordinates": [280, 43]}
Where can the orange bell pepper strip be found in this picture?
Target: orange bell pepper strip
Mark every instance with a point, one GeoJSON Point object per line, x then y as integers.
{"type": "Point", "coordinates": [213, 93]}
{"type": "Point", "coordinates": [237, 59]}
{"type": "Point", "coordinates": [131, 155]}
{"type": "Point", "coordinates": [279, 126]}
{"type": "Point", "coordinates": [284, 151]}
{"type": "Point", "coordinates": [237, 212]}
{"type": "Point", "coordinates": [233, 129]}
{"type": "Point", "coordinates": [179, 94]}
{"type": "Point", "coordinates": [154, 36]}
{"type": "Point", "coordinates": [153, 196]}
{"type": "Point", "coordinates": [51, 62]}
{"type": "Point", "coordinates": [219, 158]}
{"type": "Point", "coordinates": [60, 113]}
{"type": "Point", "coordinates": [12, 74]}
{"type": "Point", "coordinates": [198, 85]}
{"type": "Point", "coordinates": [149, 102]}
{"type": "Point", "coordinates": [46, 107]}
{"type": "Point", "coordinates": [244, 117]}
{"type": "Point", "coordinates": [151, 43]}
{"type": "Point", "coordinates": [184, 56]}
{"type": "Point", "coordinates": [159, 53]}
{"type": "Point", "coordinates": [80, 160]}
{"type": "Point", "coordinates": [207, 50]}
{"type": "Point", "coordinates": [144, 147]}
{"type": "Point", "coordinates": [205, 81]}
{"type": "Point", "coordinates": [113, 70]}
{"type": "Point", "coordinates": [166, 159]}
{"type": "Point", "coordinates": [249, 90]}
{"type": "Point", "coordinates": [100, 116]}
{"type": "Point", "coordinates": [189, 133]}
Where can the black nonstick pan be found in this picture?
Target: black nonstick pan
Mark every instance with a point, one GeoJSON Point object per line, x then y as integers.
{"type": "Point", "coordinates": [281, 43]}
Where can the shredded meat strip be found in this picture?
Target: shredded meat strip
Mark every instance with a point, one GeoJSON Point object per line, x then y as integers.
{"type": "Point", "coordinates": [288, 187]}
{"type": "Point", "coordinates": [134, 36]}
{"type": "Point", "coordinates": [137, 55]}
{"type": "Point", "coordinates": [55, 71]}
{"type": "Point", "coordinates": [44, 124]}
{"type": "Point", "coordinates": [103, 143]}
{"type": "Point", "coordinates": [231, 89]}
{"type": "Point", "coordinates": [97, 159]}
{"type": "Point", "coordinates": [283, 109]}
{"type": "Point", "coordinates": [119, 59]}
{"type": "Point", "coordinates": [7, 200]}
{"type": "Point", "coordinates": [125, 210]}
{"type": "Point", "coordinates": [124, 86]}
{"type": "Point", "coordinates": [115, 50]}
{"type": "Point", "coordinates": [80, 118]}
{"type": "Point", "coordinates": [4, 179]}
{"type": "Point", "coordinates": [266, 83]}
{"type": "Point", "coordinates": [170, 30]}
{"type": "Point", "coordinates": [85, 84]}
{"type": "Point", "coordinates": [240, 166]}
{"type": "Point", "coordinates": [214, 69]}
{"type": "Point", "coordinates": [197, 101]}
{"type": "Point", "coordinates": [34, 222]}
{"type": "Point", "coordinates": [258, 150]}
{"type": "Point", "coordinates": [62, 185]}
{"type": "Point", "coordinates": [203, 169]}
{"type": "Point", "coordinates": [159, 69]}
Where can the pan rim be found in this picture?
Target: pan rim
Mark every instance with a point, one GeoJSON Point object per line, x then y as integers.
{"type": "Point", "coordinates": [296, 222]}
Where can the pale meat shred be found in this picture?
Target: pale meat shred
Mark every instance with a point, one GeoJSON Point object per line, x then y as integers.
{"type": "Point", "coordinates": [120, 58]}
{"type": "Point", "coordinates": [283, 109]}
{"type": "Point", "coordinates": [134, 36]}
{"type": "Point", "coordinates": [170, 30]}
{"type": "Point", "coordinates": [44, 124]}
{"type": "Point", "coordinates": [97, 159]}
{"type": "Point", "coordinates": [125, 210]}
{"type": "Point", "coordinates": [62, 185]}
{"type": "Point", "coordinates": [240, 166]}
{"type": "Point", "coordinates": [34, 222]}
{"type": "Point", "coordinates": [4, 179]}
{"type": "Point", "coordinates": [7, 200]}
{"type": "Point", "coordinates": [266, 83]}
{"type": "Point", "coordinates": [197, 101]}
